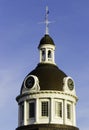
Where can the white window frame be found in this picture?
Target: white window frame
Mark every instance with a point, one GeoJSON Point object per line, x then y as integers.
{"type": "Point", "coordinates": [58, 109]}
{"type": "Point", "coordinates": [44, 100]}
{"type": "Point", "coordinates": [58, 113]}
{"type": "Point", "coordinates": [69, 110]}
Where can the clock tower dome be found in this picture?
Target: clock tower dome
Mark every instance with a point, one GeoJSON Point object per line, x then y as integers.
{"type": "Point", "coordinates": [47, 99]}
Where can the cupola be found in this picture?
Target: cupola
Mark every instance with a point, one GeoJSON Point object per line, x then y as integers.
{"type": "Point", "coordinates": [47, 50]}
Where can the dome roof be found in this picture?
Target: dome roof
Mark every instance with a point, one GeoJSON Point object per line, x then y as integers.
{"type": "Point", "coordinates": [46, 40]}
{"type": "Point", "coordinates": [50, 77]}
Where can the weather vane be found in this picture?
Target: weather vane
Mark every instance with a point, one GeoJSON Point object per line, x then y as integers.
{"type": "Point", "coordinates": [47, 22]}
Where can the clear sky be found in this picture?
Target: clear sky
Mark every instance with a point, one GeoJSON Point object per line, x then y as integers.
{"type": "Point", "coordinates": [20, 35]}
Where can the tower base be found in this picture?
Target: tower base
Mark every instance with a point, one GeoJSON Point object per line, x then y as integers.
{"type": "Point", "coordinates": [47, 127]}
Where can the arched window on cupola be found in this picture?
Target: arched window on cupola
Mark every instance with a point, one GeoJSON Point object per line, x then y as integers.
{"type": "Point", "coordinates": [43, 55]}
{"type": "Point", "coordinates": [49, 55]}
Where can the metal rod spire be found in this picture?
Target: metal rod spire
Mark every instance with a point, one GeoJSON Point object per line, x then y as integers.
{"type": "Point", "coordinates": [47, 21]}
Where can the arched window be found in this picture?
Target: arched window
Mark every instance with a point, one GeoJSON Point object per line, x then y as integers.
{"type": "Point", "coordinates": [49, 54]}
{"type": "Point", "coordinates": [43, 55]}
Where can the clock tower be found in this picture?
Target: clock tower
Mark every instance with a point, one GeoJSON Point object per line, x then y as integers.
{"type": "Point", "coordinates": [47, 99]}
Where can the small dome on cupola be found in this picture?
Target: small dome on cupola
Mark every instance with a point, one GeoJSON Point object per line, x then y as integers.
{"type": "Point", "coordinates": [46, 40]}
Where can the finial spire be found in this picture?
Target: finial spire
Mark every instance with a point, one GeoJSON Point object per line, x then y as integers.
{"type": "Point", "coordinates": [46, 20]}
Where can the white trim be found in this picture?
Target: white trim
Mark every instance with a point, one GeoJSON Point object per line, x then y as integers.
{"type": "Point", "coordinates": [25, 113]}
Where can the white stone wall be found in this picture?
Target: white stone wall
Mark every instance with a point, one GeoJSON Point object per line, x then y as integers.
{"type": "Point", "coordinates": [51, 97]}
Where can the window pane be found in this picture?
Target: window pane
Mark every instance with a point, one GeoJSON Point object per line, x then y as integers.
{"type": "Point", "coordinates": [58, 109]}
{"type": "Point", "coordinates": [44, 109]}
{"type": "Point", "coordinates": [68, 111]}
{"type": "Point", "coordinates": [31, 110]}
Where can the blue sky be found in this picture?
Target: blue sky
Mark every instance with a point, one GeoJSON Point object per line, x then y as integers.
{"type": "Point", "coordinates": [20, 35]}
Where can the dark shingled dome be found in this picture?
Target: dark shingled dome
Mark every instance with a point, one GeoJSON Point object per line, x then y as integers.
{"type": "Point", "coordinates": [46, 40]}
{"type": "Point", "coordinates": [50, 77]}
